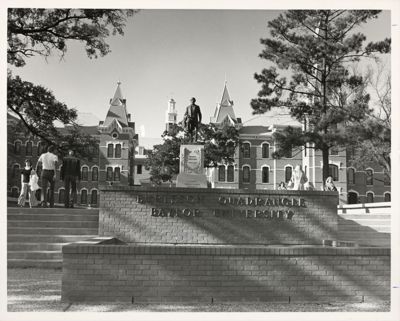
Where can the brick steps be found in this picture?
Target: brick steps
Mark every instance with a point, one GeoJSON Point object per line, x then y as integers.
{"type": "Point", "coordinates": [36, 236]}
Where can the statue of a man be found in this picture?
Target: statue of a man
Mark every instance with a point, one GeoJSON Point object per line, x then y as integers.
{"type": "Point", "coordinates": [192, 119]}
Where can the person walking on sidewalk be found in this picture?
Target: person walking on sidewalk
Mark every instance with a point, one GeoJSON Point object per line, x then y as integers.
{"type": "Point", "coordinates": [49, 164]}
{"type": "Point", "coordinates": [70, 173]}
{"type": "Point", "coordinates": [25, 176]}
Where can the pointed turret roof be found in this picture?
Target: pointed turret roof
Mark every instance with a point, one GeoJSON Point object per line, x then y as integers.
{"type": "Point", "coordinates": [225, 108]}
{"type": "Point", "coordinates": [117, 109]}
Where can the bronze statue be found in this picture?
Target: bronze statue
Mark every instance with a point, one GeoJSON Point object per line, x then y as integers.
{"type": "Point", "coordinates": [192, 119]}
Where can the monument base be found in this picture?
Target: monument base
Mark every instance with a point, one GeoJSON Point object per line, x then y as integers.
{"type": "Point", "coordinates": [191, 180]}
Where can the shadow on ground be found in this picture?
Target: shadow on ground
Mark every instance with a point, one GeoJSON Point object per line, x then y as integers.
{"type": "Point", "coordinates": [39, 290]}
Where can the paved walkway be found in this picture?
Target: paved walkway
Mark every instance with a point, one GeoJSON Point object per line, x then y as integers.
{"type": "Point", "coordinates": [39, 290]}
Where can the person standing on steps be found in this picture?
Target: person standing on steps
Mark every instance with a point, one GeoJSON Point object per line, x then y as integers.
{"type": "Point", "coordinates": [25, 176]}
{"type": "Point", "coordinates": [49, 164]}
{"type": "Point", "coordinates": [70, 173]}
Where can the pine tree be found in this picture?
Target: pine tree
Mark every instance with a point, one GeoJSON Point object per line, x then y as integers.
{"type": "Point", "coordinates": [314, 49]}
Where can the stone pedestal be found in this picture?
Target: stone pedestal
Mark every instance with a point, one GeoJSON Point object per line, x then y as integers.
{"type": "Point", "coordinates": [191, 167]}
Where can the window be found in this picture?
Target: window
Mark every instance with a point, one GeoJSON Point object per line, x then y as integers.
{"type": "Point", "coordinates": [118, 151]}
{"type": "Point", "coordinates": [334, 172]}
{"type": "Point", "coordinates": [305, 150]}
{"type": "Point", "coordinates": [246, 174]}
{"type": "Point", "coordinates": [265, 150]}
{"type": "Point", "coordinates": [93, 197]}
{"type": "Point", "coordinates": [288, 173]}
{"type": "Point", "coordinates": [370, 197]}
{"type": "Point", "coordinates": [15, 170]}
{"type": "Point", "coordinates": [369, 177]}
{"type": "Point", "coordinates": [41, 148]}
{"type": "Point", "coordinates": [139, 169]}
{"type": "Point", "coordinates": [352, 198]}
{"type": "Point", "coordinates": [83, 196]}
{"type": "Point", "coordinates": [387, 197]}
{"type": "Point", "coordinates": [17, 147]}
{"type": "Point", "coordinates": [334, 151]}
{"type": "Point", "coordinates": [246, 150]}
{"type": "Point", "coordinates": [109, 176]}
{"type": "Point", "coordinates": [117, 174]}
{"type": "Point", "coordinates": [350, 176]}
{"type": "Point", "coordinates": [110, 150]}
{"type": "Point", "coordinates": [221, 173]}
{"type": "Point", "coordinates": [265, 174]}
{"type": "Point", "coordinates": [28, 149]}
{"type": "Point", "coordinates": [85, 174]}
{"type": "Point", "coordinates": [231, 175]}
{"type": "Point", "coordinates": [14, 192]}
{"type": "Point", "coordinates": [61, 196]}
{"type": "Point", "coordinates": [386, 178]}
{"type": "Point", "coordinates": [95, 174]}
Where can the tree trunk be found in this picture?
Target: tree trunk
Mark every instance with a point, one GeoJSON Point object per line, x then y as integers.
{"type": "Point", "coordinates": [325, 164]}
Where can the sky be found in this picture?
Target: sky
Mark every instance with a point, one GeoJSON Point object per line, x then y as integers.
{"type": "Point", "coordinates": [167, 54]}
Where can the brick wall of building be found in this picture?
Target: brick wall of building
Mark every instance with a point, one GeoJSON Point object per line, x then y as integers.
{"type": "Point", "coordinates": [183, 215]}
{"type": "Point", "coordinates": [173, 274]}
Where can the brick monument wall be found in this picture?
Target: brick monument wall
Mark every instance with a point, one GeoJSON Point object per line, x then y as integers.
{"type": "Point", "coordinates": [220, 273]}
{"type": "Point", "coordinates": [217, 216]}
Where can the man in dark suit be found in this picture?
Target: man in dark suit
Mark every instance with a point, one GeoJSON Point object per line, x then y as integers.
{"type": "Point", "coordinates": [192, 118]}
{"type": "Point", "coordinates": [70, 173]}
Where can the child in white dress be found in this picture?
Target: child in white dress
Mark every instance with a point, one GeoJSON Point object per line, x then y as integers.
{"type": "Point", "coordinates": [33, 187]}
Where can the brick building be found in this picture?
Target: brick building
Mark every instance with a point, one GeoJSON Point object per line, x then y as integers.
{"type": "Point", "coordinates": [118, 159]}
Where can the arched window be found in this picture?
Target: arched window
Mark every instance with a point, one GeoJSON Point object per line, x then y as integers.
{"type": "Point", "coordinates": [370, 197]}
{"type": "Point", "coordinates": [246, 150]}
{"type": "Point", "coordinates": [118, 151]}
{"type": "Point", "coordinates": [388, 197]}
{"type": "Point", "coordinates": [221, 173]}
{"type": "Point", "coordinates": [95, 174]}
{"type": "Point", "coordinates": [288, 173]}
{"type": "Point", "coordinates": [334, 172]}
{"type": "Point", "coordinates": [246, 174]}
{"type": "Point", "coordinates": [231, 175]}
{"type": "Point", "coordinates": [369, 176]}
{"type": "Point", "coordinates": [350, 176]}
{"type": "Point", "coordinates": [61, 195]}
{"type": "Point", "coordinates": [265, 174]}
{"type": "Point", "coordinates": [265, 150]}
{"type": "Point", "coordinates": [17, 147]}
{"type": "Point", "coordinates": [352, 198]}
{"type": "Point", "coordinates": [93, 197]}
{"type": "Point", "coordinates": [15, 170]}
{"type": "Point", "coordinates": [28, 148]}
{"type": "Point", "coordinates": [386, 178]}
{"type": "Point", "coordinates": [109, 176]}
{"type": "Point", "coordinates": [14, 191]}
{"type": "Point", "coordinates": [85, 173]}
{"type": "Point", "coordinates": [110, 150]}
{"type": "Point", "coordinates": [84, 196]}
{"type": "Point", "coordinates": [41, 148]}
{"type": "Point", "coordinates": [117, 174]}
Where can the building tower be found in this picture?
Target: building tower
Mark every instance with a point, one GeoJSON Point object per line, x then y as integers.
{"type": "Point", "coordinates": [117, 143]}
{"type": "Point", "coordinates": [224, 113]}
{"type": "Point", "coordinates": [171, 115]}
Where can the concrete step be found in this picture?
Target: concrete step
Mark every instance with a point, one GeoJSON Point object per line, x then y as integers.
{"type": "Point", "coordinates": [51, 231]}
{"type": "Point", "coordinates": [29, 238]}
{"type": "Point", "coordinates": [52, 217]}
{"type": "Point", "coordinates": [56, 224]}
{"type": "Point", "coordinates": [365, 211]}
{"type": "Point", "coordinates": [20, 246]}
{"type": "Point", "coordinates": [40, 210]}
{"type": "Point", "coordinates": [355, 228]}
{"type": "Point", "coordinates": [47, 264]}
{"type": "Point", "coordinates": [366, 216]}
{"type": "Point", "coordinates": [34, 255]}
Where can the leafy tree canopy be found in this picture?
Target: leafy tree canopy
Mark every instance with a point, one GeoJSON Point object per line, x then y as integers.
{"type": "Point", "coordinates": [309, 54]}
{"type": "Point", "coordinates": [219, 146]}
{"type": "Point", "coordinates": [42, 31]}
